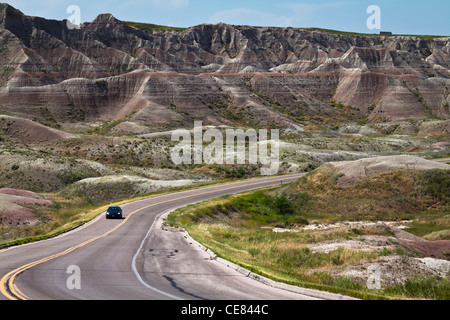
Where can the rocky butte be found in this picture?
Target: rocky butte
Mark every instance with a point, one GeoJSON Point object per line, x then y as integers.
{"type": "Point", "coordinates": [110, 69]}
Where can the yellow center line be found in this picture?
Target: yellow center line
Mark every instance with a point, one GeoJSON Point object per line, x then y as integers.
{"type": "Point", "coordinates": [7, 282]}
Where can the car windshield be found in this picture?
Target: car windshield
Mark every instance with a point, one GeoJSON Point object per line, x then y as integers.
{"type": "Point", "coordinates": [114, 209]}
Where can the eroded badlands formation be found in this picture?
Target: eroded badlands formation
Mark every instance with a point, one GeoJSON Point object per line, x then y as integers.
{"type": "Point", "coordinates": [108, 70]}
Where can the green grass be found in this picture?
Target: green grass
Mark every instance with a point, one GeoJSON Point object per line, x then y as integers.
{"type": "Point", "coordinates": [239, 227]}
{"type": "Point", "coordinates": [280, 256]}
{"type": "Point", "coordinates": [402, 194]}
{"type": "Point", "coordinates": [71, 211]}
{"type": "Point", "coordinates": [345, 33]}
{"type": "Point", "coordinates": [64, 215]}
{"type": "Point", "coordinates": [151, 27]}
{"type": "Point", "coordinates": [422, 288]}
{"type": "Point", "coordinates": [434, 226]}
{"type": "Point", "coordinates": [259, 208]}
{"type": "Point", "coordinates": [105, 127]}
{"type": "Point", "coordinates": [285, 256]}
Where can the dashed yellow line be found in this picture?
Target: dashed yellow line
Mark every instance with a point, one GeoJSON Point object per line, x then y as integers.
{"type": "Point", "coordinates": [10, 290]}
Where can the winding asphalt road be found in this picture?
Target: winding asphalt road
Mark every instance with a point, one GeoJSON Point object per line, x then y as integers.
{"type": "Point", "coordinates": [137, 259]}
{"type": "Point", "coordinates": [133, 259]}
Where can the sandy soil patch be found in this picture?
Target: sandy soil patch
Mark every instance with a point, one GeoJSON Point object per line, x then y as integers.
{"type": "Point", "coordinates": [391, 270]}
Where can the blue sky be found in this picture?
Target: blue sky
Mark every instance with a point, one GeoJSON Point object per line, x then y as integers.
{"type": "Point", "coordinates": [398, 16]}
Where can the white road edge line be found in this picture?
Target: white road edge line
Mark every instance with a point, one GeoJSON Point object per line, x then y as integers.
{"type": "Point", "coordinates": [133, 263]}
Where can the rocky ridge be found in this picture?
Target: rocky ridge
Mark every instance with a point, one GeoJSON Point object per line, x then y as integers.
{"type": "Point", "coordinates": [108, 70]}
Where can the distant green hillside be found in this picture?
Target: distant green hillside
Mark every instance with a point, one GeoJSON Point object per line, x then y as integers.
{"type": "Point", "coordinates": [150, 26]}
{"type": "Point", "coordinates": [345, 33]}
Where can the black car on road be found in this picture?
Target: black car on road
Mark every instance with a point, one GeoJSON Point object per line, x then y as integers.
{"type": "Point", "coordinates": [114, 212]}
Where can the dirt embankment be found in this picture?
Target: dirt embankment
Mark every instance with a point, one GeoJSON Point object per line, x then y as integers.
{"type": "Point", "coordinates": [108, 188]}
{"type": "Point", "coordinates": [27, 131]}
{"type": "Point", "coordinates": [17, 207]}
{"type": "Point", "coordinates": [401, 255]}
{"type": "Point", "coordinates": [352, 171]}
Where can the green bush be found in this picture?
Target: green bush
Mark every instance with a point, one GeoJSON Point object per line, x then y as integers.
{"type": "Point", "coordinates": [437, 184]}
{"type": "Point", "coordinates": [259, 207]}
